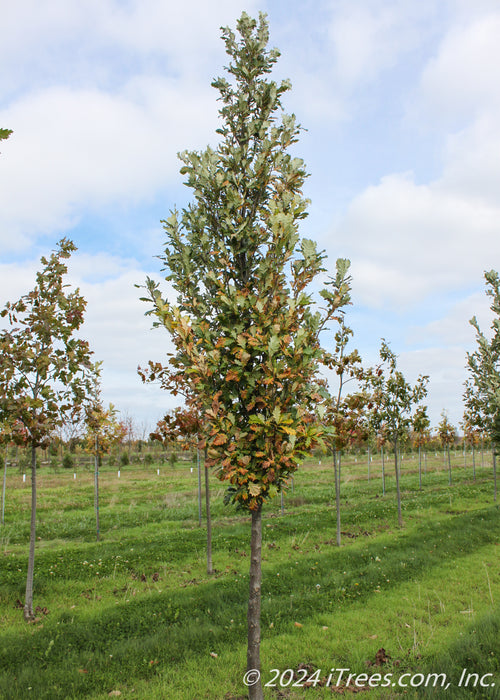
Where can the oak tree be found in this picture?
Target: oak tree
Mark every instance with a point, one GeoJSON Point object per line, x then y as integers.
{"type": "Point", "coordinates": [446, 433]}
{"type": "Point", "coordinates": [184, 427]}
{"type": "Point", "coordinates": [421, 435]}
{"type": "Point", "coordinates": [103, 430]}
{"type": "Point", "coordinates": [42, 368]}
{"type": "Point", "coordinates": [484, 367]}
{"type": "Point", "coordinates": [244, 326]}
{"type": "Point", "coordinates": [393, 400]}
{"type": "Point", "coordinates": [344, 414]}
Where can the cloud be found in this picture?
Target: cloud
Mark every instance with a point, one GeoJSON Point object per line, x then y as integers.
{"type": "Point", "coordinates": [83, 149]}
{"type": "Point", "coordinates": [106, 39]}
{"type": "Point", "coordinates": [119, 333]}
{"type": "Point", "coordinates": [106, 96]}
{"type": "Point", "coordinates": [462, 79]}
{"type": "Point", "coordinates": [411, 241]}
{"type": "Point", "coordinates": [446, 369]}
{"type": "Point", "coordinates": [368, 38]}
{"type": "Point", "coordinates": [453, 327]}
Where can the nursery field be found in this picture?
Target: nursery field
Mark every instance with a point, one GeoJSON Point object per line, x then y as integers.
{"type": "Point", "coordinates": [135, 615]}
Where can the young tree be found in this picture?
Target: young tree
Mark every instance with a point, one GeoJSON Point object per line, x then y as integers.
{"type": "Point", "coordinates": [103, 430]}
{"type": "Point", "coordinates": [393, 399]}
{"type": "Point", "coordinates": [447, 435]}
{"type": "Point", "coordinates": [421, 425]}
{"type": "Point", "coordinates": [484, 368]}
{"type": "Point", "coordinates": [185, 426]}
{"type": "Point", "coordinates": [473, 422]}
{"type": "Point", "coordinates": [343, 419]}
{"type": "Point", "coordinates": [42, 367]}
{"type": "Point", "coordinates": [343, 413]}
{"type": "Point", "coordinates": [244, 329]}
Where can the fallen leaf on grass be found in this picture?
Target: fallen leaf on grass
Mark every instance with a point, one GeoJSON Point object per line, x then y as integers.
{"type": "Point", "coordinates": [381, 657]}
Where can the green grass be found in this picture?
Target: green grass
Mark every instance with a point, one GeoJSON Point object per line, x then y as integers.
{"type": "Point", "coordinates": [137, 613]}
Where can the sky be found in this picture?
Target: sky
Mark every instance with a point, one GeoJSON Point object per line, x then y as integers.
{"type": "Point", "coordinates": [400, 105]}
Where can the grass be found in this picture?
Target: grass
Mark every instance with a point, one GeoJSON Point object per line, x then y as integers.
{"type": "Point", "coordinates": [137, 614]}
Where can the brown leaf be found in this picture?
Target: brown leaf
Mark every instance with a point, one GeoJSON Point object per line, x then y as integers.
{"type": "Point", "coordinates": [381, 657]}
{"type": "Point", "coordinates": [220, 439]}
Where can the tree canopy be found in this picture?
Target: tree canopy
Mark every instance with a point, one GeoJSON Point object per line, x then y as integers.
{"type": "Point", "coordinates": [245, 327]}
{"type": "Point", "coordinates": [482, 394]}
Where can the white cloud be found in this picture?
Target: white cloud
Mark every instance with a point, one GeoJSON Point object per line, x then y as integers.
{"type": "Point", "coordinates": [368, 38]}
{"type": "Point", "coordinates": [454, 328]}
{"type": "Point", "coordinates": [410, 241]}
{"type": "Point", "coordinates": [119, 333]}
{"type": "Point", "coordinates": [105, 97]}
{"type": "Point", "coordinates": [462, 79]}
{"type": "Point", "coordinates": [74, 150]}
{"type": "Point", "coordinates": [413, 240]}
{"type": "Point", "coordinates": [446, 369]}
{"type": "Point", "coordinates": [472, 168]}
{"type": "Point", "coordinates": [103, 39]}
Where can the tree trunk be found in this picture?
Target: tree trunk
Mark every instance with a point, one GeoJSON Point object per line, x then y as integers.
{"type": "Point", "coordinates": [253, 615]}
{"type": "Point", "coordinates": [383, 470]}
{"type": "Point", "coordinates": [198, 464]}
{"type": "Point", "coordinates": [3, 486]}
{"type": "Point", "coordinates": [449, 463]}
{"type": "Point", "coordinates": [398, 491]}
{"type": "Point", "coordinates": [336, 475]}
{"type": "Point", "coordinates": [209, 524]}
{"type": "Point", "coordinates": [473, 463]}
{"type": "Point", "coordinates": [494, 475]}
{"type": "Point", "coordinates": [96, 487]}
{"type": "Point", "coordinates": [369, 460]}
{"type": "Point", "coordinates": [28, 604]}
{"type": "Point", "coordinates": [419, 467]}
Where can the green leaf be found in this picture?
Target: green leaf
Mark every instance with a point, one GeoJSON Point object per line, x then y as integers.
{"type": "Point", "coordinates": [309, 249]}
{"type": "Point", "coordinates": [274, 345]}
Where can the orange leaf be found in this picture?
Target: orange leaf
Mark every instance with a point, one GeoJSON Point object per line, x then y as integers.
{"type": "Point", "coordinates": [220, 439]}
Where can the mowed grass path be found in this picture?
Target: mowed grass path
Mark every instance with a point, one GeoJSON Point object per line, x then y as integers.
{"type": "Point", "coordinates": [136, 613]}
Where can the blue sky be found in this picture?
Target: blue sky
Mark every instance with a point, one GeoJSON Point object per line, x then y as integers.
{"type": "Point", "coordinates": [401, 104]}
